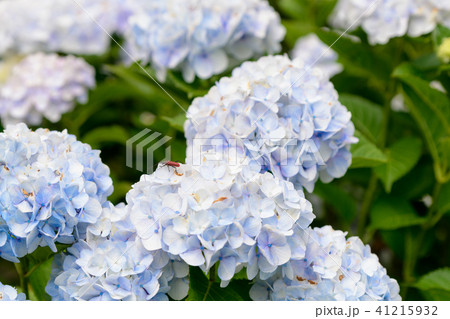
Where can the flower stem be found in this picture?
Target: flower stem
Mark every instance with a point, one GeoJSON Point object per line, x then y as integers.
{"type": "Point", "coordinates": [22, 278]}
{"type": "Point", "coordinates": [212, 280]}
{"type": "Point", "coordinates": [367, 203]}
{"type": "Point", "coordinates": [413, 245]}
{"type": "Point", "coordinates": [373, 182]}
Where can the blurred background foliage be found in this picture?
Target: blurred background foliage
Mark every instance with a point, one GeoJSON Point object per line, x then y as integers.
{"type": "Point", "coordinates": [396, 195]}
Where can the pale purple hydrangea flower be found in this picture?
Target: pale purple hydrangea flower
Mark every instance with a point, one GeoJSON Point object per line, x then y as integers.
{"type": "Point", "coordinates": [278, 115]}
{"type": "Point", "coordinates": [112, 264]}
{"type": "Point", "coordinates": [314, 53]}
{"type": "Point", "coordinates": [202, 37]}
{"type": "Point", "coordinates": [51, 188]}
{"type": "Point", "coordinates": [332, 268]}
{"type": "Point", "coordinates": [214, 215]}
{"type": "Point", "coordinates": [386, 19]}
{"type": "Point", "coordinates": [44, 85]}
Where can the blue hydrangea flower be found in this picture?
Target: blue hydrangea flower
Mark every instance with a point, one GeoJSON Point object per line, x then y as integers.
{"type": "Point", "coordinates": [330, 268]}
{"type": "Point", "coordinates": [8, 293]}
{"type": "Point", "coordinates": [51, 188]}
{"type": "Point", "coordinates": [44, 85]}
{"type": "Point", "coordinates": [218, 216]}
{"type": "Point", "coordinates": [275, 114]}
{"type": "Point", "coordinates": [30, 26]}
{"type": "Point", "coordinates": [387, 19]}
{"type": "Point", "coordinates": [317, 54]}
{"type": "Point", "coordinates": [201, 37]}
{"type": "Point", "coordinates": [112, 264]}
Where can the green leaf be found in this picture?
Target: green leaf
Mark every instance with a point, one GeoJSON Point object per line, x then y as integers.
{"type": "Point", "coordinates": [298, 10]}
{"type": "Point", "coordinates": [365, 153]}
{"type": "Point", "coordinates": [340, 200]}
{"type": "Point", "coordinates": [241, 275]}
{"type": "Point", "coordinates": [137, 82]}
{"type": "Point", "coordinates": [191, 89]}
{"type": "Point", "coordinates": [402, 156]}
{"type": "Point", "coordinates": [295, 29]}
{"type": "Point", "coordinates": [436, 295]}
{"type": "Point", "coordinates": [390, 212]}
{"type": "Point", "coordinates": [100, 135]}
{"type": "Point", "coordinates": [177, 121]}
{"type": "Point", "coordinates": [395, 239]}
{"type": "Point", "coordinates": [439, 34]}
{"type": "Point", "coordinates": [322, 10]}
{"type": "Point", "coordinates": [435, 100]}
{"type": "Point", "coordinates": [39, 279]}
{"type": "Point", "coordinates": [436, 284]}
{"type": "Point", "coordinates": [101, 96]}
{"type": "Point", "coordinates": [408, 188]}
{"type": "Point", "coordinates": [201, 289]}
{"type": "Point", "coordinates": [444, 199]}
{"type": "Point", "coordinates": [431, 110]}
{"type": "Point", "coordinates": [357, 57]}
{"type": "Point", "coordinates": [366, 116]}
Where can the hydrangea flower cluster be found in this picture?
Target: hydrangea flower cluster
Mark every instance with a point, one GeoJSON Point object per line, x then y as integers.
{"type": "Point", "coordinates": [202, 37]}
{"type": "Point", "coordinates": [214, 215]}
{"type": "Point", "coordinates": [44, 85]}
{"type": "Point", "coordinates": [332, 268]}
{"type": "Point", "coordinates": [383, 20]}
{"type": "Point", "coordinates": [8, 293]}
{"type": "Point", "coordinates": [30, 26]}
{"type": "Point", "coordinates": [283, 116]}
{"type": "Point", "coordinates": [113, 265]}
{"type": "Point", "coordinates": [51, 188]}
{"type": "Point", "coordinates": [317, 54]}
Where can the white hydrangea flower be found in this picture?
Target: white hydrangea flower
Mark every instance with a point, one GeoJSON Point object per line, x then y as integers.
{"type": "Point", "coordinates": [332, 268]}
{"type": "Point", "coordinates": [212, 215]}
{"type": "Point", "coordinates": [386, 19]}
{"type": "Point", "coordinates": [44, 85]}
{"type": "Point", "coordinates": [203, 37]}
{"type": "Point", "coordinates": [314, 53]}
{"type": "Point", "coordinates": [30, 26]}
{"type": "Point", "coordinates": [277, 115]}
{"type": "Point", "coordinates": [112, 264]}
{"type": "Point", "coordinates": [52, 187]}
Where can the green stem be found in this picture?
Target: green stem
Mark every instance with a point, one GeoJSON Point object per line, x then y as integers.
{"type": "Point", "coordinates": [413, 245]}
{"type": "Point", "coordinates": [373, 182]}
{"type": "Point", "coordinates": [409, 264]}
{"type": "Point", "coordinates": [212, 280]}
{"type": "Point", "coordinates": [32, 269]}
{"type": "Point", "coordinates": [431, 216]}
{"type": "Point", "coordinates": [367, 203]}
{"type": "Point", "coordinates": [22, 278]}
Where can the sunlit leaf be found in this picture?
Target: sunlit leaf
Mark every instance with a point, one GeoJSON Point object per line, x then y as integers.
{"type": "Point", "coordinates": [402, 156]}
{"type": "Point", "coordinates": [366, 154]}
{"type": "Point", "coordinates": [436, 284]}
{"type": "Point", "coordinates": [39, 279]}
